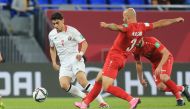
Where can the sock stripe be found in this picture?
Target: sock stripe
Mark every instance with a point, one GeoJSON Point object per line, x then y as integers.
{"type": "Point", "coordinates": [87, 87]}
{"type": "Point", "coordinates": [69, 88]}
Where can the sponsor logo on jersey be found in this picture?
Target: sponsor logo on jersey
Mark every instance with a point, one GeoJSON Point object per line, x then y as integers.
{"type": "Point", "coordinates": [137, 33]}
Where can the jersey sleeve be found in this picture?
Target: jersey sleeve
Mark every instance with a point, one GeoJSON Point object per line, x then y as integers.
{"type": "Point", "coordinates": [124, 27]}
{"type": "Point", "coordinates": [147, 26]}
{"type": "Point", "coordinates": [78, 36]}
{"type": "Point", "coordinates": [159, 46]}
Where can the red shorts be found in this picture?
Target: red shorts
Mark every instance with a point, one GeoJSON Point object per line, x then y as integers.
{"type": "Point", "coordinates": [166, 69]}
{"type": "Point", "coordinates": [112, 65]}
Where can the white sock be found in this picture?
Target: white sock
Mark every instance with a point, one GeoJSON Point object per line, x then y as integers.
{"type": "Point", "coordinates": [75, 91]}
{"type": "Point", "coordinates": [99, 97]}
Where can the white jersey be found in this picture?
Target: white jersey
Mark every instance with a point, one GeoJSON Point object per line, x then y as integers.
{"type": "Point", "coordinates": [66, 43]}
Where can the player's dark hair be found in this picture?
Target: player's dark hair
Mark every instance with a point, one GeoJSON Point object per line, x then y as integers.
{"type": "Point", "coordinates": [56, 16]}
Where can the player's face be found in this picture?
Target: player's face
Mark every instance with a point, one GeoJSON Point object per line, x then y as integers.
{"type": "Point", "coordinates": [58, 24]}
{"type": "Point", "coordinates": [125, 17]}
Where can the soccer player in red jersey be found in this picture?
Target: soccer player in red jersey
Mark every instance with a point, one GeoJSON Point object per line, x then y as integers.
{"type": "Point", "coordinates": [130, 33]}
{"type": "Point", "coordinates": [162, 61]}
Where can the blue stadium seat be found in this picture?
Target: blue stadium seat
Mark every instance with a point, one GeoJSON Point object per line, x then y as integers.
{"type": "Point", "coordinates": [117, 2]}
{"type": "Point", "coordinates": [59, 1]}
{"type": "Point", "coordinates": [43, 2]}
{"type": "Point", "coordinates": [78, 2]}
{"type": "Point", "coordinates": [98, 2]}
{"type": "Point", "coordinates": [6, 2]}
{"type": "Point", "coordinates": [187, 2]}
{"type": "Point", "coordinates": [56, 2]}
{"type": "Point", "coordinates": [95, 2]}
{"type": "Point", "coordinates": [136, 2]}
{"type": "Point", "coordinates": [3, 1]}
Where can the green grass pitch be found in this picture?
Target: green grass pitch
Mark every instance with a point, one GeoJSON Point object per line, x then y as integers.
{"type": "Point", "coordinates": [115, 103]}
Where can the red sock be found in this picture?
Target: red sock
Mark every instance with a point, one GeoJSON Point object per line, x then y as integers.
{"type": "Point", "coordinates": [118, 92]}
{"type": "Point", "coordinates": [180, 88]}
{"type": "Point", "coordinates": [93, 93]}
{"type": "Point", "coordinates": [173, 87]}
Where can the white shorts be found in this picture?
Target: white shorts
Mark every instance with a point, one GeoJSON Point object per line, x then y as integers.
{"type": "Point", "coordinates": [72, 69]}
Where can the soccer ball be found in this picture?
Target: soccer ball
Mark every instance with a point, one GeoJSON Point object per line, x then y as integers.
{"type": "Point", "coordinates": [40, 94]}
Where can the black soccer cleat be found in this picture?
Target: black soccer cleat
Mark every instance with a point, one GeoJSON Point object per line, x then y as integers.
{"type": "Point", "coordinates": [180, 102]}
{"type": "Point", "coordinates": [186, 93]}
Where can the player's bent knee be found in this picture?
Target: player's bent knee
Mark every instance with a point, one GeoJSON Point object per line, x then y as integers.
{"type": "Point", "coordinates": [106, 86]}
{"type": "Point", "coordinates": [164, 77]}
{"type": "Point", "coordinates": [160, 87]}
{"type": "Point", "coordinates": [65, 85]}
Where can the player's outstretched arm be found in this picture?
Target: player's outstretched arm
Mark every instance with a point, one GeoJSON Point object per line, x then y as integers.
{"type": "Point", "coordinates": [167, 22]}
{"type": "Point", "coordinates": [112, 26]}
{"type": "Point", "coordinates": [139, 69]}
{"type": "Point", "coordinates": [53, 55]}
{"type": "Point", "coordinates": [165, 54]}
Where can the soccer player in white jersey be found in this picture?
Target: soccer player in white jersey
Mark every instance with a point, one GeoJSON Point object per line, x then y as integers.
{"type": "Point", "coordinates": [64, 42]}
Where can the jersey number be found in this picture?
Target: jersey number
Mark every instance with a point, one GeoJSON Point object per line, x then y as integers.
{"type": "Point", "coordinates": [132, 45]}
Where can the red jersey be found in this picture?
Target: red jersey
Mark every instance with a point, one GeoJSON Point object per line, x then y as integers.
{"type": "Point", "coordinates": [126, 40]}
{"type": "Point", "coordinates": [151, 49]}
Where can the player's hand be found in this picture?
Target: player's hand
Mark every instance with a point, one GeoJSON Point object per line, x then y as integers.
{"type": "Point", "coordinates": [79, 57]}
{"type": "Point", "coordinates": [2, 60]}
{"type": "Point", "coordinates": [56, 66]}
{"type": "Point", "coordinates": [144, 83]}
{"type": "Point", "coordinates": [103, 24]}
{"type": "Point", "coordinates": [158, 70]}
{"type": "Point", "coordinates": [179, 19]}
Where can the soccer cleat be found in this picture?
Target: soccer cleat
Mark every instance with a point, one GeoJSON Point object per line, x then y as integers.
{"type": "Point", "coordinates": [104, 105]}
{"type": "Point", "coordinates": [186, 93]}
{"type": "Point", "coordinates": [134, 102]}
{"type": "Point", "coordinates": [180, 102]}
{"type": "Point", "coordinates": [81, 105]}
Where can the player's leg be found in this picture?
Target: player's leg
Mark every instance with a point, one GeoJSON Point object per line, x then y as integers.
{"type": "Point", "coordinates": [65, 83]}
{"type": "Point", "coordinates": [95, 90]}
{"type": "Point", "coordinates": [173, 87]}
{"type": "Point", "coordinates": [110, 72]}
{"type": "Point", "coordinates": [165, 78]}
{"type": "Point", "coordinates": [79, 69]}
{"type": "Point", "coordinates": [119, 92]}
{"type": "Point", "coordinates": [186, 92]}
{"type": "Point", "coordinates": [65, 78]}
{"type": "Point", "coordinates": [163, 87]}
{"type": "Point", "coordinates": [81, 78]}
{"type": "Point", "coordinates": [92, 94]}
{"type": "Point", "coordinates": [182, 88]}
